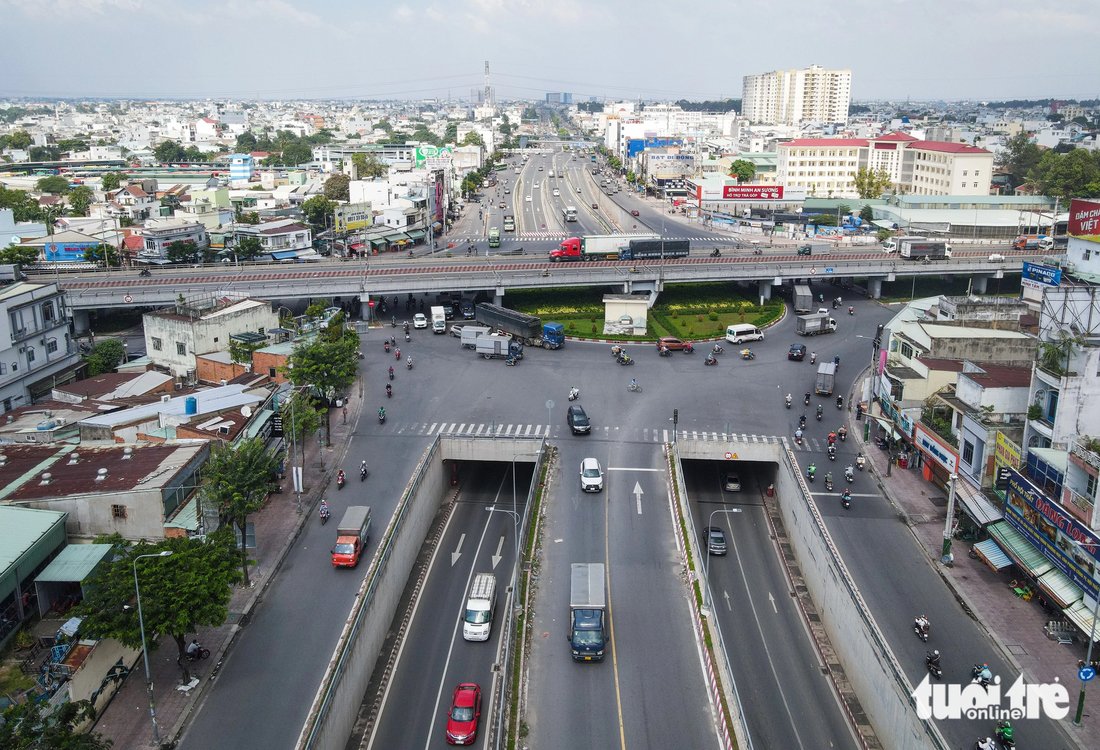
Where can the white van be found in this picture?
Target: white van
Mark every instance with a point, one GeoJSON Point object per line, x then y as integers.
{"type": "Point", "coordinates": [741, 332]}
{"type": "Point", "coordinates": [480, 608]}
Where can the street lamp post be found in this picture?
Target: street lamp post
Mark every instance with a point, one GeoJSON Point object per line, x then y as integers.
{"type": "Point", "coordinates": [706, 563]}
{"type": "Point", "coordinates": [945, 556]}
{"type": "Point", "coordinates": [144, 650]}
{"type": "Point", "coordinates": [1088, 655]}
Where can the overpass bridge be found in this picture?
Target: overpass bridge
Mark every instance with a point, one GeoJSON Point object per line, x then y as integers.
{"type": "Point", "coordinates": [496, 274]}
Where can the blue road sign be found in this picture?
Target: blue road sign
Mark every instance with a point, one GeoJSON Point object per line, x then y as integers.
{"type": "Point", "coordinates": [1086, 673]}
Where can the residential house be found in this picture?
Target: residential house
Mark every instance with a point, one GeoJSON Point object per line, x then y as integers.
{"type": "Point", "coordinates": [158, 234]}
{"type": "Point", "coordinates": [35, 350]}
{"type": "Point", "coordinates": [133, 203]}
{"type": "Point", "coordinates": [283, 239]}
{"type": "Point", "coordinates": [176, 336]}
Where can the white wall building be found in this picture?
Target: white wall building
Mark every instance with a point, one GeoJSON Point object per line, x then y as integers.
{"type": "Point", "coordinates": [795, 96]}
{"type": "Point", "coordinates": [174, 336]}
{"type": "Point", "coordinates": [35, 350]}
{"type": "Point", "coordinates": [159, 233]}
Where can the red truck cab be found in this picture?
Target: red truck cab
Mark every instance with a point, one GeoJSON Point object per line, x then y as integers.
{"type": "Point", "coordinates": [570, 249]}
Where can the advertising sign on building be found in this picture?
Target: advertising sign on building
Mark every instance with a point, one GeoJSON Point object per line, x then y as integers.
{"type": "Point", "coordinates": [933, 446]}
{"type": "Point", "coordinates": [351, 217]}
{"type": "Point", "coordinates": [752, 192]}
{"type": "Point", "coordinates": [1062, 539]}
{"type": "Point", "coordinates": [1084, 220]}
{"type": "Point", "coordinates": [432, 157]}
{"type": "Point", "coordinates": [1037, 276]}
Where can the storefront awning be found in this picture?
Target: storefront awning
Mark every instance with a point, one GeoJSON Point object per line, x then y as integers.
{"type": "Point", "coordinates": [417, 234]}
{"type": "Point", "coordinates": [394, 238]}
{"type": "Point", "coordinates": [976, 505]}
{"type": "Point", "coordinates": [1060, 588]}
{"type": "Point", "coordinates": [284, 254]}
{"type": "Point", "coordinates": [1081, 615]}
{"type": "Point", "coordinates": [1018, 548]}
{"type": "Point", "coordinates": [992, 555]}
{"type": "Point", "coordinates": [378, 241]}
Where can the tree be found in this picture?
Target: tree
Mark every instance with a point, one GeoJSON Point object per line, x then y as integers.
{"type": "Point", "coordinates": [473, 138]}
{"type": "Point", "coordinates": [18, 254]}
{"type": "Point", "coordinates": [112, 180]}
{"type": "Point", "coordinates": [22, 205]}
{"type": "Point", "coordinates": [181, 251]}
{"type": "Point", "coordinates": [169, 151]}
{"type": "Point", "coordinates": [337, 187]}
{"type": "Point", "coordinates": [450, 135]}
{"type": "Point", "coordinates": [237, 481]}
{"type": "Point", "coordinates": [1018, 157]}
{"type": "Point", "coordinates": [1072, 175]}
{"type": "Point", "coordinates": [367, 166]}
{"type": "Point", "coordinates": [317, 210]}
{"type": "Point", "coordinates": [246, 142]}
{"type": "Point", "coordinates": [54, 185]}
{"type": "Point", "coordinates": [743, 170]}
{"type": "Point", "coordinates": [44, 153]}
{"type": "Point", "coordinates": [297, 153]}
{"type": "Point", "coordinates": [328, 362]}
{"type": "Point", "coordinates": [20, 139]}
{"type": "Point", "coordinates": [105, 254]}
{"type": "Point", "coordinates": [871, 183]}
{"type": "Point", "coordinates": [32, 725]}
{"type": "Point", "coordinates": [867, 214]}
{"type": "Point", "coordinates": [105, 356]}
{"type": "Point", "coordinates": [179, 593]}
{"type": "Point", "coordinates": [822, 220]}
{"type": "Point", "coordinates": [248, 247]}
{"type": "Point", "coordinates": [80, 199]}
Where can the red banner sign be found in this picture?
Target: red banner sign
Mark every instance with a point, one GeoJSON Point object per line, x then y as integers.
{"type": "Point", "coordinates": [1084, 219]}
{"type": "Point", "coordinates": [752, 192]}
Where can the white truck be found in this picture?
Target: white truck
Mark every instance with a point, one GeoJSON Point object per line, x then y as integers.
{"type": "Point", "coordinates": [587, 603]}
{"type": "Point", "coordinates": [491, 346]}
{"type": "Point", "coordinates": [918, 248]}
{"type": "Point", "coordinates": [811, 325]}
{"type": "Point", "coordinates": [470, 334]}
{"type": "Point", "coordinates": [439, 319]}
{"type": "Point", "coordinates": [477, 621]}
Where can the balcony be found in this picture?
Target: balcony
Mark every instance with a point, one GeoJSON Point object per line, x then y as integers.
{"type": "Point", "coordinates": [1088, 450]}
{"type": "Point", "coordinates": [1077, 504]}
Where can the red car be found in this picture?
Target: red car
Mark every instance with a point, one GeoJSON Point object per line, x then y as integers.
{"type": "Point", "coordinates": [464, 714]}
{"type": "Point", "coordinates": [634, 212]}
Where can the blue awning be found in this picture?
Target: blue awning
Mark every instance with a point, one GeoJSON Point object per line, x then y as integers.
{"type": "Point", "coordinates": [284, 255]}
{"type": "Point", "coordinates": [992, 555]}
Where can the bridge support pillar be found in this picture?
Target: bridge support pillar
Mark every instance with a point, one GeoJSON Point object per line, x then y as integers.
{"type": "Point", "coordinates": [80, 322]}
{"type": "Point", "coordinates": [765, 288]}
{"type": "Point", "coordinates": [498, 298]}
{"type": "Point", "coordinates": [874, 288]}
{"type": "Point", "coordinates": [978, 284]}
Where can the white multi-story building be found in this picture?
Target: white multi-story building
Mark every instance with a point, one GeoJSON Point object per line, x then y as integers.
{"type": "Point", "coordinates": [35, 350]}
{"type": "Point", "coordinates": [938, 168]}
{"type": "Point", "coordinates": [158, 234]}
{"type": "Point", "coordinates": [792, 97]}
{"type": "Point", "coordinates": [174, 336]}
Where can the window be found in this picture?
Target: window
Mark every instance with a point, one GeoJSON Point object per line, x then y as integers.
{"type": "Point", "coordinates": [906, 351]}
{"type": "Point", "coordinates": [1090, 487]}
{"type": "Point", "coordinates": [181, 348]}
{"type": "Point", "coordinates": [968, 453]}
{"type": "Point", "coordinates": [30, 354]}
{"type": "Point", "coordinates": [3, 368]}
{"type": "Point", "coordinates": [215, 339]}
{"type": "Point", "coordinates": [964, 173]}
{"type": "Point", "coordinates": [271, 372]}
{"type": "Point", "coordinates": [47, 312]}
{"type": "Point", "coordinates": [118, 512]}
{"type": "Point", "coordinates": [51, 346]}
{"type": "Point", "coordinates": [158, 344]}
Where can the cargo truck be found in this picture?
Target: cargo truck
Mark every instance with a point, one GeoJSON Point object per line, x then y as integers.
{"type": "Point", "coordinates": [569, 213]}
{"type": "Point", "coordinates": [803, 299]}
{"type": "Point", "coordinates": [587, 629]}
{"type": "Point", "coordinates": [826, 378]}
{"type": "Point", "coordinates": [491, 346]}
{"type": "Point", "coordinates": [351, 536]}
{"type": "Point", "coordinates": [811, 325]}
{"type": "Point", "coordinates": [470, 334]}
{"type": "Point", "coordinates": [494, 237]}
{"type": "Point", "coordinates": [528, 328]}
{"type": "Point", "coordinates": [596, 247]}
{"type": "Point", "coordinates": [439, 319]}
{"type": "Point", "coordinates": [477, 620]}
{"type": "Point", "coordinates": [918, 248]}
{"type": "Point", "coordinates": [655, 249]}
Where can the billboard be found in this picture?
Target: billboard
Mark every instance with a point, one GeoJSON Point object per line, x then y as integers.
{"type": "Point", "coordinates": [752, 192]}
{"type": "Point", "coordinates": [936, 448]}
{"type": "Point", "coordinates": [432, 157]}
{"type": "Point", "coordinates": [1037, 276]}
{"type": "Point", "coordinates": [1084, 220]}
{"type": "Point", "coordinates": [351, 217]}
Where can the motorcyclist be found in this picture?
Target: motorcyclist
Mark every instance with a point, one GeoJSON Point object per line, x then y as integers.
{"type": "Point", "coordinates": [820, 411]}
{"type": "Point", "coordinates": [406, 326]}
{"type": "Point", "coordinates": [831, 438]}
{"type": "Point", "coordinates": [860, 460]}
{"type": "Point", "coordinates": [409, 362]}
{"type": "Point", "coordinates": [633, 383]}
{"type": "Point", "coordinates": [842, 432]}
{"type": "Point", "coordinates": [840, 402]}
{"type": "Point", "coordinates": [393, 341]}
{"type": "Point", "coordinates": [340, 477]}
{"type": "Point", "coordinates": [986, 744]}
{"type": "Point", "coordinates": [813, 357]}
{"type": "Point", "coordinates": [798, 436]}
{"type": "Point", "coordinates": [391, 372]}
{"type": "Point", "coordinates": [381, 412]}
{"type": "Point", "coordinates": [829, 480]}
{"type": "Point", "coordinates": [836, 360]}
{"type": "Point", "coordinates": [397, 354]}
{"type": "Point", "coordinates": [851, 310]}
{"type": "Point", "coordinates": [922, 625]}
{"type": "Point", "coordinates": [847, 496]}
{"type": "Point", "coordinates": [323, 509]}
{"type": "Point", "coordinates": [832, 452]}
{"type": "Point", "coordinates": [574, 392]}
{"type": "Point", "coordinates": [363, 468]}
{"type": "Point", "coordinates": [849, 473]}
{"type": "Point", "coordinates": [718, 349]}
{"type": "Point", "coordinates": [193, 649]}
{"type": "Point", "coordinates": [711, 359]}
{"type": "Point", "coordinates": [802, 422]}
{"type": "Point", "coordinates": [389, 390]}
{"type": "Point", "coordinates": [806, 400]}
{"type": "Point", "coordinates": [1004, 732]}
{"type": "Point", "coordinates": [932, 659]}
{"type": "Point", "coordinates": [811, 470]}
{"type": "Point", "coordinates": [787, 399]}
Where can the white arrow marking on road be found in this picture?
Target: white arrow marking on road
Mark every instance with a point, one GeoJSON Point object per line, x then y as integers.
{"type": "Point", "coordinates": [726, 596]}
{"type": "Point", "coordinates": [458, 550]}
{"type": "Point", "coordinates": [772, 600]}
{"type": "Point", "coordinates": [500, 546]}
{"type": "Point", "coordinates": [638, 496]}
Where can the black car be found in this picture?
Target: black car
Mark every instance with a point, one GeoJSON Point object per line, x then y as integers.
{"type": "Point", "coordinates": [577, 420]}
{"type": "Point", "coordinates": [467, 310]}
{"type": "Point", "coordinates": [797, 352]}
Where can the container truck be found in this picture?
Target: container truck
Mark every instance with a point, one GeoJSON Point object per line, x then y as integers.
{"type": "Point", "coordinates": [492, 346]}
{"type": "Point", "coordinates": [826, 377]}
{"type": "Point", "coordinates": [650, 249]}
{"type": "Point", "coordinates": [803, 299]}
{"type": "Point", "coordinates": [587, 604]}
{"type": "Point", "coordinates": [811, 325]}
{"type": "Point", "coordinates": [528, 328]}
{"type": "Point", "coordinates": [351, 536]}
{"type": "Point", "coordinates": [918, 248]}
{"type": "Point", "coordinates": [439, 319]}
{"type": "Point", "coordinates": [596, 247]}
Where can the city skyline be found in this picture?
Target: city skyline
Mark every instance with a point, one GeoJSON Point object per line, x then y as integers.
{"type": "Point", "coordinates": [333, 49]}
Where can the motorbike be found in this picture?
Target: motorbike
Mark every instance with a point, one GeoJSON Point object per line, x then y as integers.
{"type": "Point", "coordinates": [393, 322]}
{"type": "Point", "coordinates": [340, 481]}
{"type": "Point", "coordinates": [324, 512]}
{"type": "Point", "coordinates": [981, 675]}
{"type": "Point", "coordinates": [363, 471]}
{"type": "Point", "coordinates": [921, 631]}
{"type": "Point", "coordinates": [381, 416]}
{"type": "Point", "coordinates": [616, 352]}
{"type": "Point", "coordinates": [625, 360]}
{"type": "Point", "coordinates": [386, 346]}
{"type": "Point", "coordinates": [860, 461]}
{"type": "Point", "coordinates": [798, 437]}
{"type": "Point", "coordinates": [198, 654]}
{"type": "Point", "coordinates": [846, 499]}
{"type": "Point", "coordinates": [811, 472]}
{"type": "Point", "coordinates": [406, 326]}
{"type": "Point", "coordinates": [840, 402]}
{"type": "Point", "coordinates": [843, 432]}
{"type": "Point", "coordinates": [389, 391]}
{"type": "Point", "coordinates": [718, 349]}
{"type": "Point", "coordinates": [574, 394]}
{"type": "Point", "coordinates": [397, 354]}
{"type": "Point", "coordinates": [716, 253]}
{"type": "Point", "coordinates": [407, 336]}
{"type": "Point", "coordinates": [828, 482]}
{"type": "Point", "coordinates": [145, 272]}
{"type": "Point", "coordinates": [832, 453]}
{"type": "Point", "coordinates": [787, 400]}
{"type": "Point", "coordinates": [747, 354]}
{"type": "Point", "coordinates": [391, 373]}
{"type": "Point", "coordinates": [1004, 734]}
{"type": "Point", "coordinates": [757, 251]}
{"type": "Point", "coordinates": [851, 310]}
{"type": "Point", "coordinates": [409, 363]}
{"type": "Point", "coordinates": [802, 422]}
{"type": "Point", "coordinates": [819, 412]}
{"type": "Point", "coordinates": [710, 360]}
{"type": "Point", "coordinates": [664, 351]}
{"type": "Point", "coordinates": [806, 400]}
{"type": "Point", "coordinates": [933, 665]}
{"type": "Point", "coordinates": [813, 358]}
{"type": "Point", "coordinates": [510, 361]}
{"type": "Point", "coordinates": [849, 475]}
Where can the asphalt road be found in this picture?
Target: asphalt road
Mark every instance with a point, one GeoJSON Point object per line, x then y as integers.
{"type": "Point", "coordinates": [435, 658]}
{"type": "Point", "coordinates": [786, 698]}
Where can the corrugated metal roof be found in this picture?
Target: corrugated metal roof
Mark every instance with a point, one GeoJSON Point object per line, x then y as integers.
{"type": "Point", "coordinates": [74, 563]}
{"type": "Point", "coordinates": [20, 528]}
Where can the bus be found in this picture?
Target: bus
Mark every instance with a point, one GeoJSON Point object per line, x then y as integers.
{"type": "Point", "coordinates": [494, 237]}
{"type": "Point", "coordinates": [509, 223]}
{"type": "Point", "coordinates": [569, 213]}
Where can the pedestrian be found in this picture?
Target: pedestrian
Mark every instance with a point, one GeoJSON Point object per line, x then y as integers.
{"type": "Point", "coordinates": [345, 415]}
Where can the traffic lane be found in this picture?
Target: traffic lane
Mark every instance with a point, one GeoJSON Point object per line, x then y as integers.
{"type": "Point", "coordinates": [898, 583]}
{"type": "Point", "coordinates": [569, 704]}
{"type": "Point", "coordinates": [652, 629]}
{"type": "Point", "coordinates": [763, 628]}
{"type": "Point", "coordinates": [267, 683]}
{"type": "Point", "coordinates": [434, 657]}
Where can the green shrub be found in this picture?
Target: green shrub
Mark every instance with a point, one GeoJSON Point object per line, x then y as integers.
{"type": "Point", "coordinates": [713, 316]}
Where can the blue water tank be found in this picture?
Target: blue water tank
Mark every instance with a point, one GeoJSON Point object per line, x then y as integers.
{"type": "Point", "coordinates": [191, 405]}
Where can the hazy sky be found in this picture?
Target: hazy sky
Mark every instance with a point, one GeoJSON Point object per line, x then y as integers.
{"type": "Point", "coordinates": [653, 49]}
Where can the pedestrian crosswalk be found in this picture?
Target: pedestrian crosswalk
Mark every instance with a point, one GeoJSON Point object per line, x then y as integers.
{"type": "Point", "coordinates": [611, 432]}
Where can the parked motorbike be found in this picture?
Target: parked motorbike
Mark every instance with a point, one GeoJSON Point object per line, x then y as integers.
{"type": "Point", "coordinates": [574, 394]}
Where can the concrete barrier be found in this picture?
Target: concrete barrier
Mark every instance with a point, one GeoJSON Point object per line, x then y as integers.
{"type": "Point", "coordinates": [869, 663]}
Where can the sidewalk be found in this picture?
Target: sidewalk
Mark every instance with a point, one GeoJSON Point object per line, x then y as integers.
{"type": "Point", "coordinates": [1014, 625]}
{"type": "Point", "coordinates": [126, 720]}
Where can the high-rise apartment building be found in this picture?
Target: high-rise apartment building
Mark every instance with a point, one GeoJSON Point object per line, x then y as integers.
{"type": "Point", "coordinates": [792, 97]}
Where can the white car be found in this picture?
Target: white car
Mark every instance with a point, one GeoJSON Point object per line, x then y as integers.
{"type": "Point", "coordinates": [591, 475]}
{"type": "Point", "coordinates": [528, 199]}
{"type": "Point", "coordinates": [536, 186]}
{"type": "Point", "coordinates": [420, 321]}
{"type": "Point", "coordinates": [556, 193]}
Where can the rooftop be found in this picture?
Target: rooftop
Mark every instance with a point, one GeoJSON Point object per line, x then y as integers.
{"type": "Point", "coordinates": [20, 528]}
{"type": "Point", "coordinates": [207, 401]}
{"type": "Point", "coordinates": [1000, 376]}
{"type": "Point", "coordinates": [949, 148]}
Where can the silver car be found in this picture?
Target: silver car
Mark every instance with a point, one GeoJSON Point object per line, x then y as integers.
{"type": "Point", "coordinates": [591, 475]}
